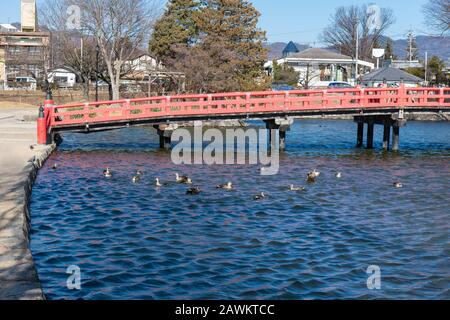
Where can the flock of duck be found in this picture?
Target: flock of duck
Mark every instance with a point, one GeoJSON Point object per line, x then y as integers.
{"type": "Point", "coordinates": [311, 177]}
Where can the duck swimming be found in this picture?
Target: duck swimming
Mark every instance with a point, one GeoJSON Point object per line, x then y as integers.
{"type": "Point", "coordinates": [398, 185]}
{"type": "Point", "coordinates": [139, 173]}
{"type": "Point", "coordinates": [338, 175]}
{"type": "Point", "coordinates": [158, 183]}
{"type": "Point", "coordinates": [260, 196]}
{"type": "Point", "coordinates": [107, 173]}
{"type": "Point", "coordinates": [316, 173]}
{"type": "Point", "coordinates": [311, 177]}
{"type": "Point", "coordinates": [193, 191]}
{"type": "Point", "coordinates": [136, 179]}
{"type": "Point", "coordinates": [55, 166]}
{"type": "Point", "coordinates": [227, 186]}
{"type": "Point", "coordinates": [293, 188]}
{"type": "Point", "coordinates": [183, 179]}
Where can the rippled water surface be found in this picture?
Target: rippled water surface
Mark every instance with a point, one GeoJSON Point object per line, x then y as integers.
{"type": "Point", "coordinates": [133, 241]}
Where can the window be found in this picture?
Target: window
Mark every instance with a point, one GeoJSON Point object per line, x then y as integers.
{"type": "Point", "coordinates": [14, 50]}
{"type": "Point", "coordinates": [34, 69]}
{"type": "Point", "coordinates": [34, 51]}
{"type": "Point", "coordinates": [12, 69]}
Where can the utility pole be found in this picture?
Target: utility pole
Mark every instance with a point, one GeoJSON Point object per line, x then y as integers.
{"type": "Point", "coordinates": [410, 45]}
{"type": "Point", "coordinates": [81, 58]}
{"type": "Point", "coordinates": [97, 53]}
{"type": "Point", "coordinates": [426, 67]}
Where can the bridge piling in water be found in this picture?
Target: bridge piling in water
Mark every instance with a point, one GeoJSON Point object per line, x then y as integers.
{"type": "Point", "coordinates": [386, 135]}
{"type": "Point", "coordinates": [370, 130]}
{"type": "Point", "coordinates": [165, 134]}
{"type": "Point", "coordinates": [387, 121]}
{"type": "Point", "coordinates": [282, 125]}
{"type": "Point", "coordinates": [360, 135]}
{"type": "Point", "coordinates": [395, 138]}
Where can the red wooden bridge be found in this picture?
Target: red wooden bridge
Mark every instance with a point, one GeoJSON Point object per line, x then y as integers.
{"type": "Point", "coordinates": [386, 106]}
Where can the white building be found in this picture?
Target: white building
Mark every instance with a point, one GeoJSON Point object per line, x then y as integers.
{"type": "Point", "coordinates": [62, 77]}
{"type": "Point", "coordinates": [140, 65]}
{"type": "Point", "coordinates": [6, 27]}
{"type": "Point", "coordinates": [319, 67]}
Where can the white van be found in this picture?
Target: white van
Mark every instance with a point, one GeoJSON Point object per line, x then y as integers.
{"type": "Point", "coordinates": [25, 80]}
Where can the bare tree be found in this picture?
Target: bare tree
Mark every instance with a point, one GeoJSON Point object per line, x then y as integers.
{"type": "Point", "coordinates": [348, 22]}
{"type": "Point", "coordinates": [118, 27]}
{"type": "Point", "coordinates": [437, 13]}
{"type": "Point", "coordinates": [308, 76]}
{"type": "Point", "coordinates": [71, 48]}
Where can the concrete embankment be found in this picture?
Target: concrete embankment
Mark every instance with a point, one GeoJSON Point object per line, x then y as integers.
{"type": "Point", "coordinates": [19, 164]}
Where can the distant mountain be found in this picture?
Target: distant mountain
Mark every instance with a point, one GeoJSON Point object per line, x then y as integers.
{"type": "Point", "coordinates": [436, 46]}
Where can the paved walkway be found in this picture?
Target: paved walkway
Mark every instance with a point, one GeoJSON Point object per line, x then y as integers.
{"type": "Point", "coordinates": [18, 277]}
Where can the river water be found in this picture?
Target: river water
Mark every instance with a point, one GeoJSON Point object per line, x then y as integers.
{"type": "Point", "coordinates": [135, 241]}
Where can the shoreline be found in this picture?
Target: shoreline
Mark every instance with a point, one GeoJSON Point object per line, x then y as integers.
{"type": "Point", "coordinates": [20, 164]}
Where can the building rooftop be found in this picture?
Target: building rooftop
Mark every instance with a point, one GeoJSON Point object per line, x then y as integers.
{"type": "Point", "coordinates": [390, 74]}
{"type": "Point", "coordinates": [318, 53]}
{"type": "Point", "coordinates": [290, 49]}
{"type": "Point", "coordinates": [7, 27]}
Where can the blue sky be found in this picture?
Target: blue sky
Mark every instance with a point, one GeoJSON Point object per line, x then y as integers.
{"type": "Point", "coordinates": [298, 20]}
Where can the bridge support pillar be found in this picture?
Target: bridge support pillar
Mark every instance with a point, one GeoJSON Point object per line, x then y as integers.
{"type": "Point", "coordinates": [282, 125]}
{"type": "Point", "coordinates": [165, 134]}
{"type": "Point", "coordinates": [386, 135]}
{"type": "Point", "coordinates": [370, 129]}
{"type": "Point", "coordinates": [387, 121]}
{"type": "Point", "coordinates": [395, 138]}
{"type": "Point", "coordinates": [360, 135]}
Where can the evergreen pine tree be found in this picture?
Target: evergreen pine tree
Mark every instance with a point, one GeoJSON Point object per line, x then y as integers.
{"type": "Point", "coordinates": [232, 24]}
{"type": "Point", "coordinates": [389, 51]}
{"type": "Point", "coordinates": [175, 27]}
{"type": "Point", "coordinates": [216, 43]}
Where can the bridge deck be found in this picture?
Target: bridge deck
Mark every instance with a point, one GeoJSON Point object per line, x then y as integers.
{"type": "Point", "coordinates": [107, 115]}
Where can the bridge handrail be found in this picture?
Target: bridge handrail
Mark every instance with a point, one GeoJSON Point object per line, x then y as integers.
{"type": "Point", "coordinates": [245, 102]}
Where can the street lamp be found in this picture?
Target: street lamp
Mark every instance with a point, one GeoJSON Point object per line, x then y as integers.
{"type": "Point", "coordinates": [97, 51]}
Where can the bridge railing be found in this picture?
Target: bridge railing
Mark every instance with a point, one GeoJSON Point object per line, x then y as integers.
{"type": "Point", "coordinates": [244, 102]}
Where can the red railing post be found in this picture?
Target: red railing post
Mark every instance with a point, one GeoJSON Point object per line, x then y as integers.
{"type": "Point", "coordinates": [43, 134]}
{"type": "Point", "coordinates": [286, 100]}
{"type": "Point", "coordinates": [403, 96]}
{"type": "Point", "coordinates": [324, 99]}
{"type": "Point", "coordinates": [42, 127]}
{"type": "Point", "coordinates": [362, 97]}
{"type": "Point", "coordinates": [168, 106]}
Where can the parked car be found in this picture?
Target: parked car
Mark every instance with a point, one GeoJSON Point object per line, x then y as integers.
{"type": "Point", "coordinates": [283, 87]}
{"type": "Point", "coordinates": [339, 85]}
{"type": "Point", "coordinates": [25, 80]}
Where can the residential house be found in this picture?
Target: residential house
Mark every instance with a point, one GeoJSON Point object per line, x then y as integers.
{"type": "Point", "coordinates": [143, 70]}
{"type": "Point", "coordinates": [319, 67]}
{"type": "Point", "coordinates": [62, 77]}
{"type": "Point", "coordinates": [390, 77]}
